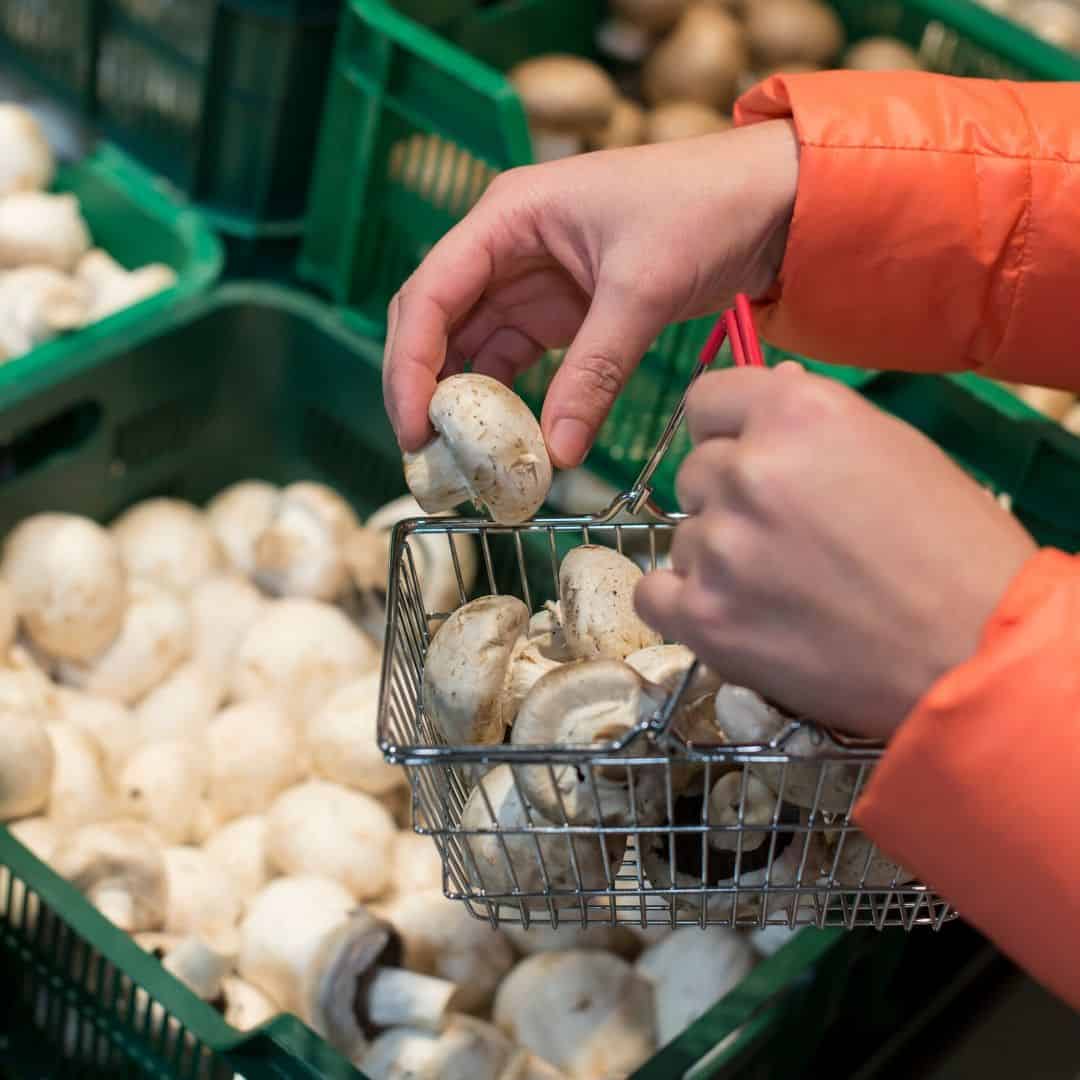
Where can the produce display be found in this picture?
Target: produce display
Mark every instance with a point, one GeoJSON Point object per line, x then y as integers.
{"type": "Point", "coordinates": [1055, 21]}
{"type": "Point", "coordinates": [52, 278]}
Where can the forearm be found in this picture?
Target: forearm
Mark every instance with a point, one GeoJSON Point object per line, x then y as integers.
{"type": "Point", "coordinates": [936, 226]}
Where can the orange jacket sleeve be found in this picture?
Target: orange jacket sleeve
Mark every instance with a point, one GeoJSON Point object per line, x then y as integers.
{"type": "Point", "coordinates": [937, 223]}
{"type": "Point", "coordinates": [937, 226]}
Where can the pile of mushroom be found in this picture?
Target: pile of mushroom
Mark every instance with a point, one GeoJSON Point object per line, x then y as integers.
{"type": "Point", "coordinates": [1055, 21]}
{"type": "Point", "coordinates": [52, 279]}
{"type": "Point", "coordinates": [1062, 406]}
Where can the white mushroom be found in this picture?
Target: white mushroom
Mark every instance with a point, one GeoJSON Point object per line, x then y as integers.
{"type": "Point", "coordinates": [466, 1049]}
{"type": "Point", "coordinates": [223, 608]}
{"type": "Point", "coordinates": [162, 784]}
{"type": "Point", "coordinates": [80, 792]}
{"type": "Point", "coordinates": [36, 304]}
{"type": "Point", "coordinates": [25, 687]}
{"type": "Point", "coordinates": [732, 791]}
{"type": "Point", "coordinates": [67, 583]}
{"type": "Point", "coordinates": [323, 829]}
{"type": "Point", "coordinates": [501, 862]}
{"type": "Point", "coordinates": [341, 738]}
{"type": "Point", "coordinates": [525, 1065]}
{"type": "Point", "coordinates": [298, 652]}
{"type": "Point", "coordinates": [586, 1012]}
{"type": "Point", "coordinates": [690, 972]}
{"type": "Point", "coordinates": [181, 707]}
{"type": "Point", "coordinates": [591, 704]}
{"type": "Point", "coordinates": [769, 940]}
{"type": "Point", "coordinates": [167, 541]}
{"type": "Point", "coordinates": [239, 849]}
{"type": "Point", "coordinates": [238, 515]}
{"type": "Point", "coordinates": [112, 288]}
{"type": "Point", "coordinates": [27, 163]}
{"type": "Point", "coordinates": [120, 869]}
{"type": "Point", "coordinates": [40, 229]}
{"type": "Point", "coordinates": [201, 899]}
{"type": "Point", "coordinates": [246, 1006]}
{"type": "Point", "coordinates": [596, 599]}
{"type": "Point", "coordinates": [416, 865]}
{"type": "Point", "coordinates": [198, 966]}
{"type": "Point", "coordinates": [854, 862]}
{"type": "Point", "coordinates": [108, 723]}
{"type": "Point", "coordinates": [27, 762]}
{"type": "Point", "coordinates": [301, 550]}
{"type": "Point", "coordinates": [8, 617]}
{"type": "Point", "coordinates": [467, 667]}
{"type": "Point", "coordinates": [154, 638]}
{"type": "Point", "coordinates": [488, 449]}
{"type": "Point", "coordinates": [543, 937]}
{"type": "Point", "coordinates": [254, 755]}
{"type": "Point", "coordinates": [665, 665]}
{"type": "Point", "coordinates": [441, 938]}
{"type": "Point", "coordinates": [745, 717]}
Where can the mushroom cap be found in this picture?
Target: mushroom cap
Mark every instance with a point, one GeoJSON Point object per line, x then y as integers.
{"type": "Point", "coordinates": [587, 1012]}
{"type": "Point", "coordinates": [238, 515]}
{"type": "Point", "coordinates": [109, 287]}
{"type": "Point", "coordinates": [202, 899]}
{"type": "Point", "coordinates": [543, 937]}
{"type": "Point", "coordinates": [690, 973]}
{"type": "Point", "coordinates": [120, 869]}
{"type": "Point", "coordinates": [239, 848]}
{"type": "Point", "coordinates": [655, 16]}
{"type": "Point", "coordinates": [37, 303]}
{"type": "Point", "coordinates": [417, 864]}
{"type": "Point", "coordinates": [488, 448]}
{"type": "Point", "coordinates": [882, 54]}
{"type": "Point", "coordinates": [223, 608]}
{"type": "Point", "coordinates": [162, 784]}
{"type": "Point", "coordinates": [155, 636]}
{"type": "Point", "coordinates": [525, 1065]}
{"type": "Point", "coordinates": [26, 688]}
{"type": "Point", "coordinates": [625, 128]}
{"type": "Point", "coordinates": [301, 550]}
{"type": "Point", "coordinates": [342, 739]}
{"type": "Point", "coordinates": [8, 617]}
{"type": "Point", "coordinates": [321, 828]}
{"type": "Point", "coordinates": [167, 541]}
{"type": "Point", "coordinates": [700, 60]}
{"type": "Point", "coordinates": [854, 861]}
{"type": "Point", "coordinates": [441, 938]}
{"type": "Point", "coordinates": [596, 598]}
{"type": "Point", "coordinates": [254, 755]}
{"type": "Point", "coordinates": [561, 92]}
{"type": "Point", "coordinates": [39, 835]}
{"type": "Point", "coordinates": [485, 848]}
{"type": "Point", "coordinates": [282, 930]}
{"type": "Point", "coordinates": [299, 652]}
{"type": "Point", "coordinates": [41, 229]}
{"type": "Point", "coordinates": [80, 791]}
{"type": "Point", "coordinates": [108, 723]}
{"type": "Point", "coordinates": [785, 31]}
{"type": "Point", "coordinates": [246, 1006]}
{"type": "Point", "coordinates": [467, 1049]}
{"type": "Point", "coordinates": [28, 163]}
{"type": "Point", "coordinates": [27, 761]}
{"type": "Point", "coordinates": [588, 703]}
{"type": "Point", "coordinates": [672, 120]}
{"type": "Point", "coordinates": [181, 707]}
{"type": "Point", "coordinates": [465, 671]}
{"type": "Point", "coordinates": [665, 665]}
{"type": "Point", "coordinates": [758, 807]}
{"type": "Point", "coordinates": [1055, 21]}
{"type": "Point", "coordinates": [67, 582]}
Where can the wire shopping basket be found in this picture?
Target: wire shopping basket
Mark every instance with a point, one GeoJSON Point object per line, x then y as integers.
{"type": "Point", "coordinates": [659, 825]}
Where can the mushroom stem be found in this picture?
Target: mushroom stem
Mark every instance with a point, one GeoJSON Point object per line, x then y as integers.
{"type": "Point", "coordinates": [198, 967]}
{"type": "Point", "coordinates": [399, 998]}
{"type": "Point", "coordinates": [434, 477]}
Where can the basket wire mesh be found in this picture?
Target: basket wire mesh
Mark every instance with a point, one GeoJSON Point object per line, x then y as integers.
{"type": "Point", "coordinates": [667, 858]}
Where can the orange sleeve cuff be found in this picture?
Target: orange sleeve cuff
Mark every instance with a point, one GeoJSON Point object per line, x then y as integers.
{"type": "Point", "coordinates": [979, 790]}
{"type": "Point", "coordinates": [936, 224]}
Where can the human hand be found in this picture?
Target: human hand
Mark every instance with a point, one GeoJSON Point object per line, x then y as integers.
{"type": "Point", "coordinates": [599, 252]}
{"type": "Point", "coordinates": [837, 561]}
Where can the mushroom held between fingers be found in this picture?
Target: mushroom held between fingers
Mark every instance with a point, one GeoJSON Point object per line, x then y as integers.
{"type": "Point", "coordinates": [201, 899]}
{"type": "Point", "coordinates": [154, 638]}
{"type": "Point", "coordinates": [596, 601]}
{"type": "Point", "coordinates": [689, 972]}
{"type": "Point", "coordinates": [239, 849]}
{"type": "Point", "coordinates": [591, 703]}
{"type": "Point", "coordinates": [223, 608]}
{"type": "Point", "coordinates": [67, 584]}
{"type": "Point", "coordinates": [300, 552]}
{"type": "Point", "coordinates": [36, 304]}
{"type": "Point", "coordinates": [488, 449]}
{"type": "Point", "coordinates": [466, 1049]}
{"type": "Point", "coordinates": [81, 791]}
{"type": "Point", "coordinates": [298, 652]}
{"type": "Point", "coordinates": [467, 667]}
{"type": "Point", "coordinates": [40, 229]}
{"type": "Point", "coordinates": [162, 784]}
{"type": "Point", "coordinates": [501, 862]}
{"type": "Point", "coordinates": [119, 867]}
{"type": "Point", "coordinates": [586, 1012]}
{"type": "Point", "coordinates": [238, 516]}
{"type": "Point", "coordinates": [169, 542]}
{"type": "Point", "coordinates": [342, 739]}
{"type": "Point", "coordinates": [324, 829]}
{"type": "Point", "coordinates": [27, 762]}
{"type": "Point", "coordinates": [441, 938]}
{"type": "Point", "coordinates": [27, 163]}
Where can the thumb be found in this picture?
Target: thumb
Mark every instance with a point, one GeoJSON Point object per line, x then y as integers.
{"type": "Point", "coordinates": [611, 342]}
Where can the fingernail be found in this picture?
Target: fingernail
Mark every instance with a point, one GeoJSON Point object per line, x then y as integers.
{"type": "Point", "coordinates": [569, 442]}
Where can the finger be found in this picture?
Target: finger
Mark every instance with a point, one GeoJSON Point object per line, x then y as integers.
{"type": "Point", "coordinates": [658, 600]}
{"type": "Point", "coordinates": [721, 401]}
{"type": "Point", "coordinates": [702, 477]}
{"type": "Point", "coordinates": [686, 546]}
{"type": "Point", "coordinates": [613, 338]}
{"type": "Point", "coordinates": [506, 354]}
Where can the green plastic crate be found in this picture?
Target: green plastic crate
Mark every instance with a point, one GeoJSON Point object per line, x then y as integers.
{"type": "Point", "coordinates": [220, 97]}
{"type": "Point", "coordinates": [136, 223]}
{"type": "Point", "coordinates": [416, 124]}
{"type": "Point", "coordinates": [251, 380]}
